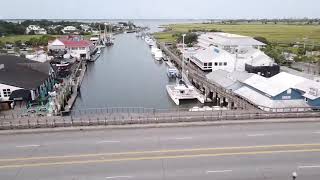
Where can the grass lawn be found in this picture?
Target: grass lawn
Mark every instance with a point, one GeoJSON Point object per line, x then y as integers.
{"type": "Point", "coordinates": [14, 38]}
{"type": "Point", "coordinates": [273, 32]}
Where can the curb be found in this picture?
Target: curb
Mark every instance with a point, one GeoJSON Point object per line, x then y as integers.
{"type": "Point", "coordinates": [160, 125]}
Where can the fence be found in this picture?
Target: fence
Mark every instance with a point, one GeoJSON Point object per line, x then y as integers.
{"type": "Point", "coordinates": [126, 116]}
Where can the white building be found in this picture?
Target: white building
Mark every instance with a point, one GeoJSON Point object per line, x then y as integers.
{"type": "Point", "coordinates": [36, 29]}
{"type": "Point", "coordinates": [80, 49]}
{"type": "Point", "coordinates": [227, 41]}
{"type": "Point", "coordinates": [69, 29]}
{"type": "Point", "coordinates": [85, 27]}
{"type": "Point", "coordinates": [229, 52]}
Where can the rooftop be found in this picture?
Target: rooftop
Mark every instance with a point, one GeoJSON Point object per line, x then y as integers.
{"type": "Point", "coordinates": [274, 85]}
{"type": "Point", "coordinates": [22, 72]}
{"type": "Point", "coordinates": [227, 39]}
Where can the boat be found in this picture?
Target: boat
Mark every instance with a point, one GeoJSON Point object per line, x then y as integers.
{"type": "Point", "coordinates": [94, 57]}
{"type": "Point", "coordinates": [182, 91]}
{"type": "Point", "coordinates": [158, 55]}
{"type": "Point", "coordinates": [154, 49]}
{"type": "Point", "coordinates": [172, 72]}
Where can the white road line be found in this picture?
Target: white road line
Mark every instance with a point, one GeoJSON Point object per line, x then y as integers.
{"type": "Point", "coordinates": [255, 135]}
{"type": "Point", "coordinates": [116, 177]}
{"type": "Point", "coordinates": [318, 132]}
{"type": "Point", "coordinates": [182, 138]}
{"type": "Point", "coordinates": [305, 167]}
{"type": "Point", "coordinates": [219, 171]}
{"type": "Point", "coordinates": [26, 146]}
{"type": "Point", "coordinates": [101, 142]}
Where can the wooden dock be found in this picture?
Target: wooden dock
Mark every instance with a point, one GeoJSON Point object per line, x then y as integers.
{"type": "Point", "coordinates": [81, 69]}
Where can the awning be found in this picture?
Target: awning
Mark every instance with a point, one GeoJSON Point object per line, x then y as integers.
{"type": "Point", "coordinates": [20, 94]}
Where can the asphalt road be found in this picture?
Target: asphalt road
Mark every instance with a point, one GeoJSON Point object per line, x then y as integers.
{"type": "Point", "coordinates": [236, 152]}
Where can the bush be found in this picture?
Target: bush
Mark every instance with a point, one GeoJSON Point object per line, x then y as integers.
{"type": "Point", "coordinates": [262, 39]}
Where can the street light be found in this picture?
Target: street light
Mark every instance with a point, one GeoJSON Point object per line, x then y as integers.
{"type": "Point", "coordinates": [183, 36]}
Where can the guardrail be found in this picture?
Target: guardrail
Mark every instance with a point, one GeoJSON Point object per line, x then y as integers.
{"type": "Point", "coordinates": [147, 117]}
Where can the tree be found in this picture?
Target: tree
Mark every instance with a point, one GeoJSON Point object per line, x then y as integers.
{"type": "Point", "coordinates": [190, 38]}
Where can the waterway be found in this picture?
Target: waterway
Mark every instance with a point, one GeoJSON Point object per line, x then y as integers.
{"type": "Point", "coordinates": [126, 75]}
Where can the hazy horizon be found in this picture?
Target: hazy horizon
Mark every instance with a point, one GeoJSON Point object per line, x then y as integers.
{"type": "Point", "coordinates": [165, 9]}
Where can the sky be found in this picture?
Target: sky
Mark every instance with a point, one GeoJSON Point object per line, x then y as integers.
{"type": "Point", "coordinates": [158, 9]}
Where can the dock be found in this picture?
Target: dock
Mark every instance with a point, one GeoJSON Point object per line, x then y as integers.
{"type": "Point", "coordinates": [79, 75]}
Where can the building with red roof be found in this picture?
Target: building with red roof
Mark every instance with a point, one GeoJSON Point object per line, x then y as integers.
{"type": "Point", "coordinates": [74, 45]}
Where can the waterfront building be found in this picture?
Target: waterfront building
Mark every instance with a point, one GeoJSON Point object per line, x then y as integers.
{"type": "Point", "coordinates": [24, 80]}
{"type": "Point", "coordinates": [73, 45]}
{"type": "Point", "coordinates": [281, 91]}
{"type": "Point", "coordinates": [229, 52]}
{"type": "Point", "coordinates": [227, 41]}
{"type": "Point", "coordinates": [36, 30]}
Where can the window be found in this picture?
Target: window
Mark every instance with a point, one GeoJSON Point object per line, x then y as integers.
{"type": "Point", "coordinates": [210, 64]}
{"type": "Point", "coordinates": [205, 64]}
{"type": "Point", "coordinates": [220, 63]}
{"type": "Point", "coordinates": [286, 97]}
{"type": "Point", "coordinates": [289, 91]}
{"type": "Point", "coordinates": [6, 92]}
{"type": "Point", "coordinates": [215, 64]}
{"type": "Point", "coordinates": [225, 63]}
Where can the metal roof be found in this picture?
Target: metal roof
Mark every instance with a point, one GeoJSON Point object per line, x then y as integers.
{"type": "Point", "coordinates": [274, 85]}
{"type": "Point", "coordinates": [22, 72]}
{"type": "Point", "coordinates": [227, 39]}
{"type": "Point", "coordinates": [264, 101]}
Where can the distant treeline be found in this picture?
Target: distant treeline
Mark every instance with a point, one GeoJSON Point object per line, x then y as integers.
{"type": "Point", "coordinates": [19, 28]}
{"type": "Point", "coordinates": [304, 21]}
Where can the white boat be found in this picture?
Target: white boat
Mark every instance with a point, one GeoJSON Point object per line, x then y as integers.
{"type": "Point", "coordinates": [150, 41]}
{"type": "Point", "coordinates": [172, 72]}
{"type": "Point", "coordinates": [158, 55]}
{"type": "Point", "coordinates": [154, 49]}
{"type": "Point", "coordinates": [182, 91]}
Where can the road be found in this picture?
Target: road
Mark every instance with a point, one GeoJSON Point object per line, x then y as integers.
{"type": "Point", "coordinates": [235, 152]}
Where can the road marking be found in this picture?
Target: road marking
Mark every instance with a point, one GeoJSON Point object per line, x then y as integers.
{"type": "Point", "coordinates": [26, 146]}
{"type": "Point", "coordinates": [183, 138]}
{"type": "Point", "coordinates": [162, 151]}
{"type": "Point", "coordinates": [219, 171]}
{"type": "Point", "coordinates": [255, 135]}
{"type": "Point", "coordinates": [305, 167]}
{"type": "Point", "coordinates": [101, 142]}
{"type": "Point", "coordinates": [154, 158]}
{"type": "Point", "coordinates": [116, 177]}
{"type": "Point", "coordinates": [318, 132]}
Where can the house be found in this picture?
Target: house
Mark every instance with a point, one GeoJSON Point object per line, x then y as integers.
{"type": "Point", "coordinates": [36, 30]}
{"type": "Point", "coordinates": [85, 27]}
{"type": "Point", "coordinates": [69, 30]}
{"type": "Point", "coordinates": [73, 45]}
{"type": "Point", "coordinates": [24, 80]}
